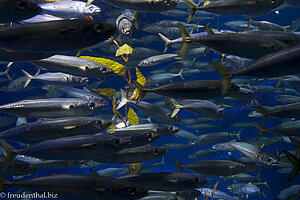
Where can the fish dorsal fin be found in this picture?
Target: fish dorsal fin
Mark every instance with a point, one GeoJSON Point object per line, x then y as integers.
{"type": "Point", "coordinates": [206, 2]}
{"type": "Point", "coordinates": [232, 158]}
{"type": "Point", "coordinates": [209, 30]}
{"type": "Point", "coordinates": [94, 173]}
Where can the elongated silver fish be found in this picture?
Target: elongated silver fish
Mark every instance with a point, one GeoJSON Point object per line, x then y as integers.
{"type": "Point", "coordinates": [69, 9]}
{"type": "Point", "coordinates": [74, 65]}
{"type": "Point", "coordinates": [56, 79]}
{"type": "Point", "coordinates": [54, 36]}
{"type": "Point", "coordinates": [255, 153]}
{"type": "Point", "coordinates": [34, 132]}
{"type": "Point", "coordinates": [53, 107]}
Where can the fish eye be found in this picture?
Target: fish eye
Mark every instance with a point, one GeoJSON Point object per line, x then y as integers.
{"type": "Point", "coordinates": [170, 128]}
{"type": "Point", "coordinates": [25, 167]}
{"type": "Point", "coordinates": [116, 142]}
{"type": "Point", "coordinates": [257, 155]}
{"type": "Point", "coordinates": [99, 123]}
{"type": "Point", "coordinates": [91, 8]}
{"type": "Point", "coordinates": [98, 27]}
{"type": "Point", "coordinates": [92, 105]}
{"type": "Point", "coordinates": [269, 159]}
{"type": "Point", "coordinates": [131, 191]}
{"type": "Point", "coordinates": [155, 151]}
{"type": "Point", "coordinates": [152, 2]}
{"type": "Point", "coordinates": [195, 180]}
{"type": "Point", "coordinates": [177, 119]}
{"type": "Point", "coordinates": [21, 4]}
{"type": "Point", "coordinates": [168, 2]}
{"type": "Point", "coordinates": [149, 136]}
{"type": "Point", "coordinates": [144, 62]}
{"type": "Point", "coordinates": [102, 69]}
{"type": "Point", "coordinates": [192, 193]}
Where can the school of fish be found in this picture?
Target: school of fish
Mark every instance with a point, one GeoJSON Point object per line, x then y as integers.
{"type": "Point", "coordinates": [145, 99]}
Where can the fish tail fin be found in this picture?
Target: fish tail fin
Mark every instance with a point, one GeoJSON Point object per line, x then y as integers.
{"type": "Point", "coordinates": [250, 22]}
{"type": "Point", "coordinates": [124, 100]}
{"type": "Point", "coordinates": [10, 151]}
{"type": "Point", "coordinates": [38, 72]}
{"type": "Point", "coordinates": [7, 70]}
{"type": "Point", "coordinates": [279, 82]}
{"type": "Point", "coordinates": [196, 26]}
{"type": "Point", "coordinates": [258, 176]}
{"type": "Point", "coordinates": [238, 135]}
{"type": "Point", "coordinates": [29, 77]}
{"type": "Point", "coordinates": [163, 160]}
{"type": "Point", "coordinates": [186, 39]}
{"type": "Point", "coordinates": [263, 193]}
{"type": "Point", "coordinates": [225, 73]}
{"type": "Point", "coordinates": [245, 104]}
{"type": "Point", "coordinates": [135, 21]}
{"type": "Point", "coordinates": [296, 143]}
{"type": "Point", "coordinates": [177, 107]}
{"type": "Point", "coordinates": [262, 131]}
{"type": "Point", "coordinates": [295, 161]}
{"type": "Point", "coordinates": [179, 165]}
{"type": "Point", "coordinates": [142, 89]}
{"type": "Point", "coordinates": [264, 112]}
{"type": "Point", "coordinates": [167, 102]}
{"type": "Point", "coordinates": [2, 182]}
{"type": "Point", "coordinates": [266, 184]}
{"type": "Point", "coordinates": [166, 40]}
{"type": "Point", "coordinates": [180, 74]}
{"type": "Point", "coordinates": [192, 10]}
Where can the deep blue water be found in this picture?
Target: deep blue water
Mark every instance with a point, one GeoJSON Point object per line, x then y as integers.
{"type": "Point", "coordinates": [276, 181]}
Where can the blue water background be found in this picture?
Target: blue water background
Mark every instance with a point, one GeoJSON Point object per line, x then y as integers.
{"type": "Point", "coordinates": [276, 181]}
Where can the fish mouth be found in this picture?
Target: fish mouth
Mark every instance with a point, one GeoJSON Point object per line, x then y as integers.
{"type": "Point", "coordinates": [95, 10]}
{"type": "Point", "coordinates": [175, 129]}
{"type": "Point", "coordinates": [154, 136]}
{"type": "Point", "coordinates": [84, 80]}
{"type": "Point", "coordinates": [109, 71]}
{"type": "Point", "coordinates": [127, 32]}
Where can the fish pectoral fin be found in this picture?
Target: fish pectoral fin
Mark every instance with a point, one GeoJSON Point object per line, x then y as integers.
{"type": "Point", "coordinates": [173, 181]}
{"type": "Point", "coordinates": [66, 31]}
{"type": "Point", "coordinates": [69, 127]}
{"type": "Point", "coordinates": [89, 145]}
{"type": "Point", "coordinates": [101, 189]}
{"type": "Point", "coordinates": [208, 30]}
